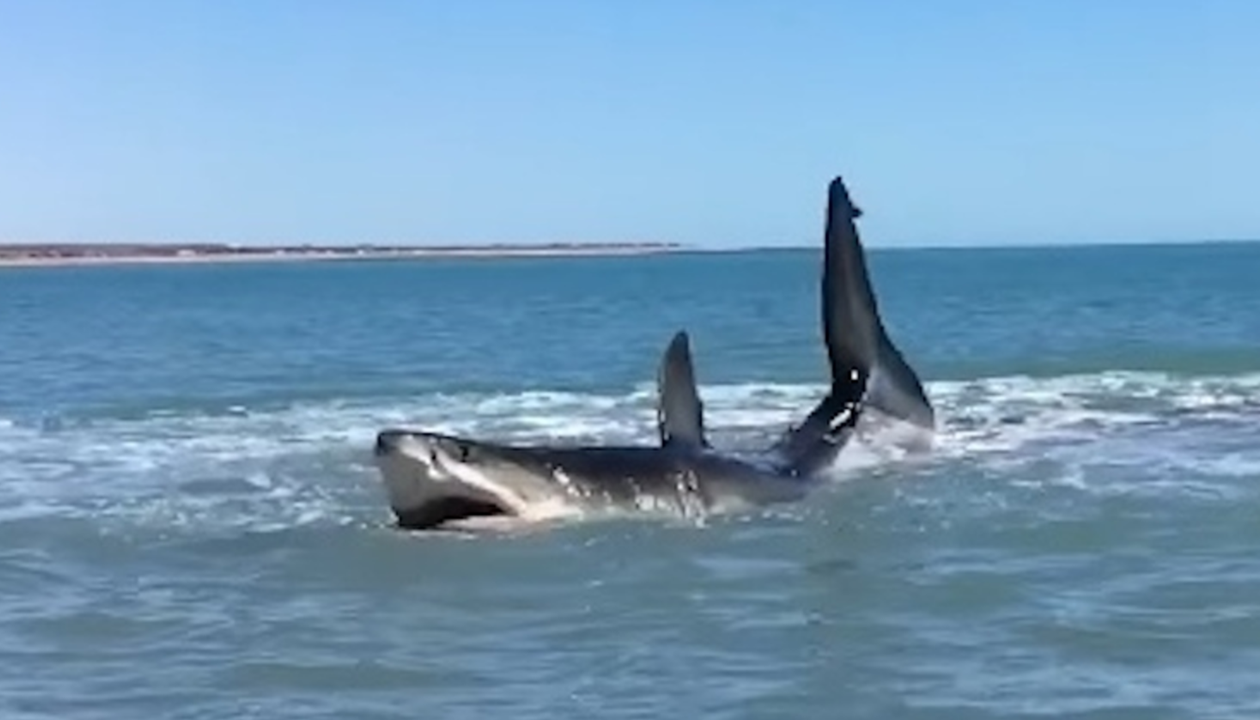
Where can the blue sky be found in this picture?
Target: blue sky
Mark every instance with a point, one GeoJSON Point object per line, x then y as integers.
{"type": "Point", "coordinates": [708, 123]}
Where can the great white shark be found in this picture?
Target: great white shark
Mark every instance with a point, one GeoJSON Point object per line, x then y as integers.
{"type": "Point", "coordinates": [436, 480]}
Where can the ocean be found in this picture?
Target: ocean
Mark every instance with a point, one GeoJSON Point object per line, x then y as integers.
{"type": "Point", "coordinates": [191, 525]}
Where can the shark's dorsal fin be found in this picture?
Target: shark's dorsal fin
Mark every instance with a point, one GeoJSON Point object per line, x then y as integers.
{"type": "Point", "coordinates": [679, 412]}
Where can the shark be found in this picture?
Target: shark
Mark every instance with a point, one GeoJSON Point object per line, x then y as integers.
{"type": "Point", "coordinates": [436, 481]}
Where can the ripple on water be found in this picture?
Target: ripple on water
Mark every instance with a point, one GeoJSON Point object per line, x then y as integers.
{"type": "Point", "coordinates": [1076, 545]}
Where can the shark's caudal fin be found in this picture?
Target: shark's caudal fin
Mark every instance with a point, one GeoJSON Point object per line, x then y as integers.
{"type": "Point", "coordinates": [679, 412]}
{"type": "Point", "coordinates": [867, 370]}
{"type": "Point", "coordinates": [863, 358]}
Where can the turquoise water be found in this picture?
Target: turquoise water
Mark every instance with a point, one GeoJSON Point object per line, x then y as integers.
{"type": "Point", "coordinates": [190, 525]}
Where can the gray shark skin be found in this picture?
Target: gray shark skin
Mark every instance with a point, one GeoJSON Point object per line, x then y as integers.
{"type": "Point", "coordinates": [433, 480]}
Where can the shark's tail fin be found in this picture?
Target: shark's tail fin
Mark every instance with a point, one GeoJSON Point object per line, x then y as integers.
{"type": "Point", "coordinates": [895, 389]}
{"type": "Point", "coordinates": [867, 370]}
{"type": "Point", "coordinates": [858, 346]}
{"type": "Point", "coordinates": [679, 412]}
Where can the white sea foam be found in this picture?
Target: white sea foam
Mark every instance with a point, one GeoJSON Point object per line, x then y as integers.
{"type": "Point", "coordinates": [273, 467]}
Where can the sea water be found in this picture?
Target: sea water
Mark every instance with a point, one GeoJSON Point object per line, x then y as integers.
{"type": "Point", "coordinates": [191, 525]}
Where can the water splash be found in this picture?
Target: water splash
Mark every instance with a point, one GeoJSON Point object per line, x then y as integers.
{"type": "Point", "coordinates": [309, 462]}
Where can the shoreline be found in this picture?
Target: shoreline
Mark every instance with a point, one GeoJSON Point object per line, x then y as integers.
{"type": "Point", "coordinates": [28, 256]}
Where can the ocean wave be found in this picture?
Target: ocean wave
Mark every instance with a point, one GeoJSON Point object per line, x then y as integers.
{"type": "Point", "coordinates": [309, 462]}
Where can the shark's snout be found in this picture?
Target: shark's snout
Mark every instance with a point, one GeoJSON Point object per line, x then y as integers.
{"type": "Point", "coordinates": [387, 441]}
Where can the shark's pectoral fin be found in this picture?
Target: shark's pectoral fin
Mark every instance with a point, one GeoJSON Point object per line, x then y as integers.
{"type": "Point", "coordinates": [679, 412]}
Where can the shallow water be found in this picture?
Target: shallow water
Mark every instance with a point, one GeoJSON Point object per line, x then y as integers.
{"type": "Point", "coordinates": [190, 525]}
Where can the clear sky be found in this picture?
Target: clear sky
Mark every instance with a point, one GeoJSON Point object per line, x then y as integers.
{"type": "Point", "coordinates": [712, 123]}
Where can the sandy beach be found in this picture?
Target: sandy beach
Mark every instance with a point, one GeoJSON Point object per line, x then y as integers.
{"type": "Point", "coordinates": [30, 255]}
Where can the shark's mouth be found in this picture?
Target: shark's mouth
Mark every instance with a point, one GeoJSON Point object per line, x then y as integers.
{"type": "Point", "coordinates": [447, 511]}
{"type": "Point", "coordinates": [440, 482]}
{"type": "Point", "coordinates": [429, 490]}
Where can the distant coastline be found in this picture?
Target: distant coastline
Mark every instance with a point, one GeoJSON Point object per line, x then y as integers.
{"type": "Point", "coordinates": [57, 254]}
{"type": "Point", "coordinates": [17, 255]}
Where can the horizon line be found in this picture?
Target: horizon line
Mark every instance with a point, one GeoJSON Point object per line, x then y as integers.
{"type": "Point", "coordinates": [670, 246]}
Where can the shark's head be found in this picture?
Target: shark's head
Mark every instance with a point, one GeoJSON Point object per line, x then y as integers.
{"type": "Point", "coordinates": [434, 481]}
